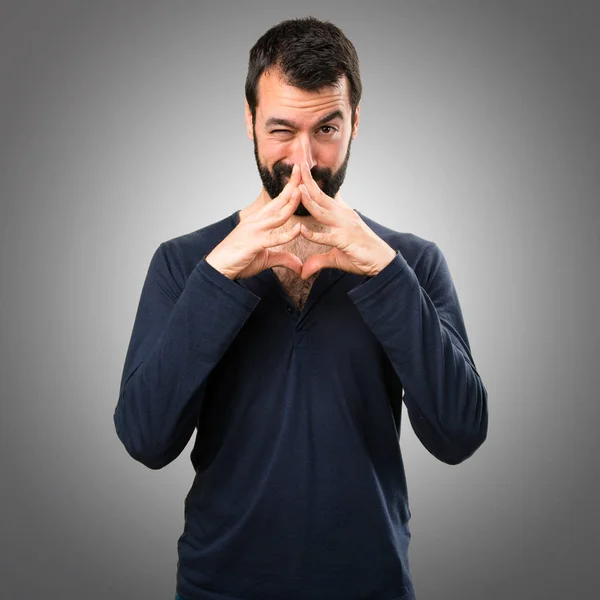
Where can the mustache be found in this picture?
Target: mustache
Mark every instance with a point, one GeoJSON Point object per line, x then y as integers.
{"type": "Point", "coordinates": [285, 170]}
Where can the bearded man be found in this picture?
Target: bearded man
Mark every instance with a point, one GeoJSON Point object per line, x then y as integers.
{"type": "Point", "coordinates": [287, 335]}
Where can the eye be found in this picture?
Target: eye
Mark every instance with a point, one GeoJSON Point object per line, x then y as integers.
{"type": "Point", "coordinates": [330, 129]}
{"type": "Point", "coordinates": [281, 131]}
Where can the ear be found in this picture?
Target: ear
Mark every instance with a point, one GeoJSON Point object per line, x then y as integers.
{"type": "Point", "coordinates": [248, 117]}
{"type": "Point", "coordinates": [356, 120]}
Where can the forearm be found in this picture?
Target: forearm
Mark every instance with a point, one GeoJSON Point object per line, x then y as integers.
{"type": "Point", "coordinates": [163, 378]}
{"type": "Point", "coordinates": [429, 350]}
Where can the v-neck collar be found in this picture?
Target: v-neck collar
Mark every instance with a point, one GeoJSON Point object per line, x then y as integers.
{"type": "Point", "coordinates": [325, 279]}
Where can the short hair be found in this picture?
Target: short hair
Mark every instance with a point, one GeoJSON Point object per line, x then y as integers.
{"type": "Point", "coordinates": [310, 53]}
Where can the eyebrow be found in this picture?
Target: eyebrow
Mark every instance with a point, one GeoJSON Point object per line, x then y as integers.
{"type": "Point", "coordinates": [336, 114]}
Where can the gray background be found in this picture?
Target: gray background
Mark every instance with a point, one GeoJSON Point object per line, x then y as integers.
{"type": "Point", "coordinates": [121, 126]}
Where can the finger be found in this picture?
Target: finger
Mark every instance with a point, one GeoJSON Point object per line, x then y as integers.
{"type": "Point", "coordinates": [316, 210]}
{"type": "Point", "coordinates": [317, 262]}
{"type": "Point", "coordinates": [319, 237]}
{"type": "Point", "coordinates": [290, 186]}
{"type": "Point", "coordinates": [288, 236]}
{"type": "Point", "coordinates": [284, 197]}
{"type": "Point", "coordinates": [292, 205]}
{"type": "Point", "coordinates": [282, 215]}
{"type": "Point", "coordinates": [296, 176]}
{"type": "Point", "coordinates": [285, 259]}
{"type": "Point", "coordinates": [312, 186]}
{"type": "Point", "coordinates": [280, 238]}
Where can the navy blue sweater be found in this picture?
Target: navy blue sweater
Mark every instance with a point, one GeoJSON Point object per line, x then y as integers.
{"type": "Point", "coordinates": [299, 490]}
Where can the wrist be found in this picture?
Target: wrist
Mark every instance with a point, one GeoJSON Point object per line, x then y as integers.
{"type": "Point", "coordinates": [215, 265]}
{"type": "Point", "coordinates": [388, 258]}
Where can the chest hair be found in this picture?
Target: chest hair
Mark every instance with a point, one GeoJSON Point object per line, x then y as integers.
{"type": "Point", "coordinates": [298, 289]}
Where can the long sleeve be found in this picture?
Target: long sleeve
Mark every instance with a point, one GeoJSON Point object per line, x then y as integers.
{"type": "Point", "coordinates": [180, 333]}
{"type": "Point", "coordinates": [418, 321]}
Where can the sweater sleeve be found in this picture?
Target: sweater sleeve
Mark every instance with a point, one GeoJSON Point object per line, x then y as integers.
{"type": "Point", "coordinates": [419, 322]}
{"type": "Point", "coordinates": [178, 337]}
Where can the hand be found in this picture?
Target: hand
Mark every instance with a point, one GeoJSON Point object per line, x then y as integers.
{"type": "Point", "coordinates": [356, 247]}
{"type": "Point", "coordinates": [245, 251]}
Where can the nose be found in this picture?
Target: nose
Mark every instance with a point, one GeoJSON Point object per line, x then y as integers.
{"type": "Point", "coordinates": [303, 152]}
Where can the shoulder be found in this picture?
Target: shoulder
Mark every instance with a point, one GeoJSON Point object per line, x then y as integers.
{"type": "Point", "coordinates": [180, 255]}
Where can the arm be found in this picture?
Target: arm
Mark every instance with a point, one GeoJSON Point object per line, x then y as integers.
{"type": "Point", "coordinates": [178, 337]}
{"type": "Point", "coordinates": [418, 321]}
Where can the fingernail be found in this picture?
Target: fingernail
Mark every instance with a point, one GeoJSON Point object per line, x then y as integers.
{"type": "Point", "coordinates": [294, 168]}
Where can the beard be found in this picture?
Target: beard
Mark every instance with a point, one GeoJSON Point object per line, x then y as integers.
{"type": "Point", "coordinates": [275, 181]}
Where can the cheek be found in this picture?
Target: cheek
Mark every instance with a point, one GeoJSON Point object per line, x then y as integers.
{"type": "Point", "coordinates": [334, 154]}
{"type": "Point", "coordinates": [272, 151]}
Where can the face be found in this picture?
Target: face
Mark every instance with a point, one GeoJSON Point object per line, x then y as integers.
{"type": "Point", "coordinates": [293, 125]}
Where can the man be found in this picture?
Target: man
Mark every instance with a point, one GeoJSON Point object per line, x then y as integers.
{"type": "Point", "coordinates": [286, 334]}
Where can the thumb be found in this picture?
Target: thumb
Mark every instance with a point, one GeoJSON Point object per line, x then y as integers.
{"type": "Point", "coordinates": [316, 262]}
{"type": "Point", "coordinates": [285, 259]}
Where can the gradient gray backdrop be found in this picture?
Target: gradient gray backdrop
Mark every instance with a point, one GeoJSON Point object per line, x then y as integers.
{"type": "Point", "coordinates": [121, 126]}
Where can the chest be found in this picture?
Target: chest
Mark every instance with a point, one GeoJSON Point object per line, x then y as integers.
{"type": "Point", "coordinates": [296, 288]}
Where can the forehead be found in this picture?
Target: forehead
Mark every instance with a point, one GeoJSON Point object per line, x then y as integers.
{"type": "Point", "coordinates": [276, 98]}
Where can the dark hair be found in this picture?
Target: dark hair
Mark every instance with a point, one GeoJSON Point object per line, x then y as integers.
{"type": "Point", "coordinates": [310, 53]}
